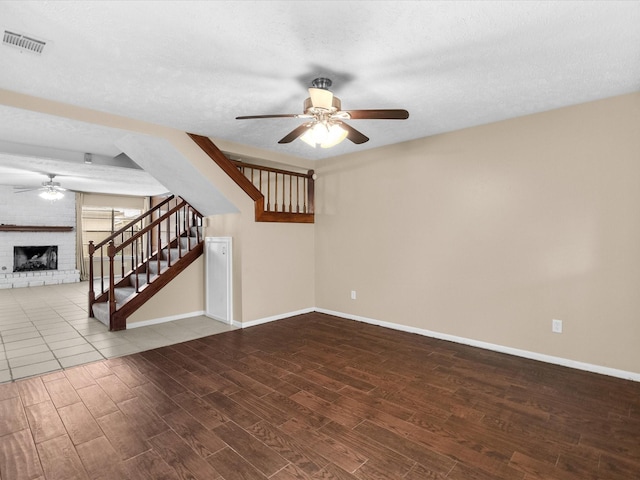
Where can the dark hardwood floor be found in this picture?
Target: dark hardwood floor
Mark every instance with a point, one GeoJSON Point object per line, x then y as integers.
{"type": "Point", "coordinates": [320, 397]}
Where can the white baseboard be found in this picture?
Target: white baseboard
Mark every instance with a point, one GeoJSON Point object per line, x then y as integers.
{"type": "Point", "coordinates": [155, 321]}
{"type": "Point", "coordinates": [588, 367]}
{"type": "Point", "coordinates": [612, 372]}
{"type": "Point", "coordinates": [220, 319]}
{"type": "Point", "coordinates": [260, 321]}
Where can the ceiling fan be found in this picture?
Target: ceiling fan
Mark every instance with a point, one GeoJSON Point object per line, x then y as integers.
{"type": "Point", "coordinates": [50, 190]}
{"type": "Point", "coordinates": [325, 120]}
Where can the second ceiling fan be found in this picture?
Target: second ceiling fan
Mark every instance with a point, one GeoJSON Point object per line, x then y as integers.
{"type": "Point", "coordinates": [325, 125]}
{"type": "Point", "coordinates": [50, 190]}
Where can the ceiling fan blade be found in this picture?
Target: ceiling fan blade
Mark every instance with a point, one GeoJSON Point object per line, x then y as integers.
{"type": "Point", "coordinates": [354, 135]}
{"type": "Point", "coordinates": [281, 115]}
{"type": "Point", "coordinates": [295, 133]}
{"type": "Point", "coordinates": [377, 114]}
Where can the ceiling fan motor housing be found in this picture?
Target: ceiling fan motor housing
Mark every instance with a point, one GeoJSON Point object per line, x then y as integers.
{"type": "Point", "coordinates": [323, 83]}
{"type": "Point", "coordinates": [335, 105]}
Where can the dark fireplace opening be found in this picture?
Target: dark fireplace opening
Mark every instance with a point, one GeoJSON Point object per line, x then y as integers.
{"type": "Point", "coordinates": [31, 259]}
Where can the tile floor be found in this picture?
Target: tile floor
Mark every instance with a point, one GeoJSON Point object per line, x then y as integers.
{"type": "Point", "coordinates": [43, 329]}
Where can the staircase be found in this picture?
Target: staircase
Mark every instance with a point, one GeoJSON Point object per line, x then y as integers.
{"type": "Point", "coordinates": [150, 251]}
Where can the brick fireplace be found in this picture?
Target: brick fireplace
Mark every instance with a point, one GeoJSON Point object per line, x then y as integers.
{"type": "Point", "coordinates": [28, 233]}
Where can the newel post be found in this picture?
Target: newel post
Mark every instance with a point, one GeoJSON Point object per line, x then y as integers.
{"type": "Point", "coordinates": [92, 294]}
{"type": "Point", "coordinates": [311, 190]}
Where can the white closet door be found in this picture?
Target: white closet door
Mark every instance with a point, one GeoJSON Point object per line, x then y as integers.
{"type": "Point", "coordinates": [218, 295]}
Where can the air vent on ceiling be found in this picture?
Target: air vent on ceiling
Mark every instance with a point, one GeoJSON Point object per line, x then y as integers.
{"type": "Point", "coordinates": [23, 42]}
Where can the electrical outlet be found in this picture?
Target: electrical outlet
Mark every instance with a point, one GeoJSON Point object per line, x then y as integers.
{"type": "Point", "coordinates": [353, 294]}
{"type": "Point", "coordinates": [556, 326]}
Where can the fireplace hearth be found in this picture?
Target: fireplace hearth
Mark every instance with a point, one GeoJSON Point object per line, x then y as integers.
{"type": "Point", "coordinates": [35, 258]}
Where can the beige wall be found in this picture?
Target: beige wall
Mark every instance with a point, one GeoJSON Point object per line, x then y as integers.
{"type": "Point", "coordinates": [491, 232]}
{"type": "Point", "coordinates": [183, 295]}
{"type": "Point", "coordinates": [273, 265]}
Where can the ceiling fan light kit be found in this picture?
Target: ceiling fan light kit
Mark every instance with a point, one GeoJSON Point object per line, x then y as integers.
{"type": "Point", "coordinates": [326, 126]}
{"type": "Point", "coordinates": [324, 134]}
{"type": "Point", "coordinates": [51, 194]}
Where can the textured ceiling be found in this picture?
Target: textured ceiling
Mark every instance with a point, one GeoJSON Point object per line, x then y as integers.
{"type": "Point", "coordinates": [196, 66]}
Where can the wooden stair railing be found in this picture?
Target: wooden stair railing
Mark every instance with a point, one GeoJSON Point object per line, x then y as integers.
{"type": "Point", "coordinates": [284, 191]}
{"type": "Point", "coordinates": [278, 195]}
{"type": "Point", "coordinates": [163, 231]}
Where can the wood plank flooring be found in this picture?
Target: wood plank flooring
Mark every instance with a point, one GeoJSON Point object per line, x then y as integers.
{"type": "Point", "coordinates": [317, 397]}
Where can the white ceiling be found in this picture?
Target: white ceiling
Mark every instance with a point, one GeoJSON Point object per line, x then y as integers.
{"type": "Point", "coordinates": [196, 65]}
